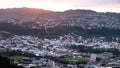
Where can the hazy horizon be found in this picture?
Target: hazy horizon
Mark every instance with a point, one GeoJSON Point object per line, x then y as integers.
{"type": "Point", "coordinates": [63, 5]}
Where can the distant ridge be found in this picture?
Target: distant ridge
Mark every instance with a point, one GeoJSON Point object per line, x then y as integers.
{"type": "Point", "coordinates": [41, 13]}
{"type": "Point", "coordinates": [22, 12]}
{"type": "Point", "coordinates": [80, 11]}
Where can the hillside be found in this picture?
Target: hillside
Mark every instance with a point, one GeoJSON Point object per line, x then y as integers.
{"type": "Point", "coordinates": [39, 22]}
{"type": "Point", "coordinates": [22, 13]}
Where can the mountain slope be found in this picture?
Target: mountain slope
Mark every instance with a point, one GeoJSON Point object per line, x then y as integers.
{"type": "Point", "coordinates": [83, 22]}
{"type": "Point", "coordinates": [22, 13]}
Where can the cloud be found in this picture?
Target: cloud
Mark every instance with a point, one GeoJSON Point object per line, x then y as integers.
{"type": "Point", "coordinates": [99, 4]}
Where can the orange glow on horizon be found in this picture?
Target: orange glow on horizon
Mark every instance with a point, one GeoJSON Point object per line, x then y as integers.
{"type": "Point", "coordinates": [50, 6]}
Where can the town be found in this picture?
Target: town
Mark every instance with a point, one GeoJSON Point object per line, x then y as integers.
{"type": "Point", "coordinates": [69, 39]}
{"type": "Point", "coordinates": [64, 47]}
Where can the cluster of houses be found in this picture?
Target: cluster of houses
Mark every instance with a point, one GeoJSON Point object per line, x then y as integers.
{"type": "Point", "coordinates": [58, 47]}
{"type": "Point", "coordinates": [85, 21]}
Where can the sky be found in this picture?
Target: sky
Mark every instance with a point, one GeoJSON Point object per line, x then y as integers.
{"type": "Point", "coordinates": [62, 5]}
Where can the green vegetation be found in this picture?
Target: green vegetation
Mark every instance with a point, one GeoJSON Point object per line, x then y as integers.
{"type": "Point", "coordinates": [73, 61]}
{"type": "Point", "coordinates": [16, 58]}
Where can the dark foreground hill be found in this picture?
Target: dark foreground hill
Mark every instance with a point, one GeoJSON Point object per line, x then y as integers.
{"type": "Point", "coordinates": [6, 63]}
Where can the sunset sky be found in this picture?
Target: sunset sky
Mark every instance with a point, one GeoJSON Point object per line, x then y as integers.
{"type": "Point", "coordinates": [62, 5]}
